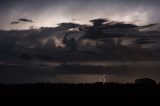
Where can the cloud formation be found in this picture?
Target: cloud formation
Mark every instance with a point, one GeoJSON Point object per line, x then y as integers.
{"type": "Point", "coordinates": [25, 20]}
{"type": "Point", "coordinates": [41, 53]}
{"type": "Point", "coordinates": [15, 22]}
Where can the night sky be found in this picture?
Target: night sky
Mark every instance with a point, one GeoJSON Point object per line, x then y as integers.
{"type": "Point", "coordinates": [32, 55]}
{"type": "Point", "coordinates": [48, 13]}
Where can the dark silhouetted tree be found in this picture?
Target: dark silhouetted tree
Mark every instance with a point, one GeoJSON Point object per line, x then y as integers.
{"type": "Point", "coordinates": [145, 82]}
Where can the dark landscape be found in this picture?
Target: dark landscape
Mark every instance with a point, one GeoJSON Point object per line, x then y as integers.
{"type": "Point", "coordinates": [144, 91]}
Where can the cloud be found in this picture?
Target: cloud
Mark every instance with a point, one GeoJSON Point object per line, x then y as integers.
{"type": "Point", "coordinates": [15, 22]}
{"type": "Point", "coordinates": [21, 20]}
{"type": "Point", "coordinates": [145, 41]}
{"type": "Point", "coordinates": [25, 20]}
{"type": "Point", "coordinates": [89, 69]}
{"type": "Point", "coordinates": [39, 46]}
{"type": "Point", "coordinates": [103, 29]}
{"type": "Point", "coordinates": [49, 39]}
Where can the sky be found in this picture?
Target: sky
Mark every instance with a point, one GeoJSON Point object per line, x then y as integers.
{"type": "Point", "coordinates": [48, 13]}
{"type": "Point", "coordinates": [24, 54]}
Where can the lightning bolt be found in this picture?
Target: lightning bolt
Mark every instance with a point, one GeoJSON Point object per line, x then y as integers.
{"type": "Point", "coordinates": [104, 78]}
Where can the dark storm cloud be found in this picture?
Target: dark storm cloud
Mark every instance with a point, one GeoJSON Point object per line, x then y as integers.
{"type": "Point", "coordinates": [103, 28]}
{"type": "Point", "coordinates": [145, 41]}
{"type": "Point", "coordinates": [28, 72]}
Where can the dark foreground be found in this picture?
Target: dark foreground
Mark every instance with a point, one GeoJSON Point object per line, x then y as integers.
{"type": "Point", "coordinates": [110, 93]}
